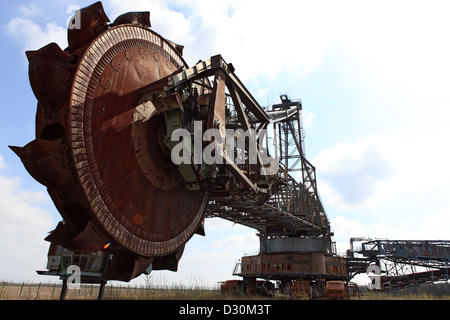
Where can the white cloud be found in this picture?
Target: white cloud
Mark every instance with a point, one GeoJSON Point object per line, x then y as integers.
{"type": "Point", "coordinates": [261, 94]}
{"type": "Point", "coordinates": [308, 118]}
{"type": "Point", "coordinates": [410, 160]}
{"type": "Point", "coordinates": [213, 258]}
{"type": "Point", "coordinates": [219, 224]}
{"type": "Point", "coordinates": [2, 163]}
{"type": "Point", "coordinates": [429, 226]}
{"type": "Point", "coordinates": [434, 225]}
{"type": "Point", "coordinates": [345, 228]}
{"type": "Point", "coordinates": [30, 10]}
{"type": "Point", "coordinates": [350, 173]}
{"type": "Point", "coordinates": [263, 39]}
{"type": "Point", "coordinates": [244, 243]}
{"type": "Point", "coordinates": [24, 225]}
{"type": "Point", "coordinates": [260, 38]}
{"type": "Point", "coordinates": [398, 50]}
{"type": "Point", "coordinates": [31, 36]}
{"type": "Point", "coordinates": [171, 24]}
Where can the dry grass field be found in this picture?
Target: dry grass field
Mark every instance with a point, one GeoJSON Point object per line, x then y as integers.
{"type": "Point", "coordinates": [50, 291]}
{"type": "Point", "coordinates": [41, 291]}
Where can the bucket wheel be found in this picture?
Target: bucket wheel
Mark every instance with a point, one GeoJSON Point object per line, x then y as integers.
{"type": "Point", "coordinates": [110, 177]}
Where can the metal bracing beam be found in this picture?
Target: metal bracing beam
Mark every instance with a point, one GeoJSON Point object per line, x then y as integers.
{"type": "Point", "coordinates": [208, 68]}
{"type": "Point", "coordinates": [404, 262]}
{"type": "Point", "coordinates": [293, 207]}
{"type": "Point", "coordinates": [243, 101]}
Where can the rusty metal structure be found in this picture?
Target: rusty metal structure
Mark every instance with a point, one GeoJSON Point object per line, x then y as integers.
{"type": "Point", "coordinates": [295, 235]}
{"type": "Point", "coordinates": [402, 263]}
{"type": "Point", "coordinates": [136, 149]}
{"type": "Point", "coordinates": [109, 107]}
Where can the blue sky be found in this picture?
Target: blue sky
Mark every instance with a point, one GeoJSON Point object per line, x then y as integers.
{"type": "Point", "coordinates": [374, 82]}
